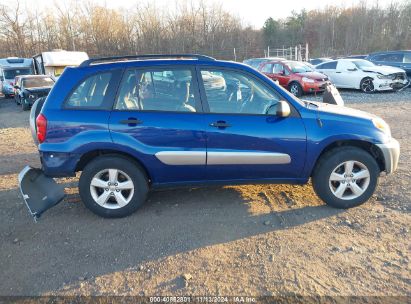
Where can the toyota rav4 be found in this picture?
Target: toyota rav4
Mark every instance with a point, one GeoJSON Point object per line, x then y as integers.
{"type": "Point", "coordinates": [131, 124]}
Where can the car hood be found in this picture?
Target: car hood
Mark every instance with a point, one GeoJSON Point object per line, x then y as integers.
{"type": "Point", "coordinates": [383, 69]}
{"type": "Point", "coordinates": [313, 75]}
{"type": "Point", "coordinates": [327, 108]}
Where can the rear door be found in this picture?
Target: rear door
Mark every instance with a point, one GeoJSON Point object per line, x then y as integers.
{"type": "Point", "coordinates": [158, 118]}
{"type": "Point", "coordinates": [245, 140]}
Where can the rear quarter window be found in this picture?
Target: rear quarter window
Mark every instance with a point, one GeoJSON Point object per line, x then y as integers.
{"type": "Point", "coordinates": [90, 93]}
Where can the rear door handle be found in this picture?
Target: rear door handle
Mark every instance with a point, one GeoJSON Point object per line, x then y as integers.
{"type": "Point", "coordinates": [131, 121]}
{"type": "Point", "coordinates": [338, 72]}
{"type": "Point", "coordinates": [220, 124]}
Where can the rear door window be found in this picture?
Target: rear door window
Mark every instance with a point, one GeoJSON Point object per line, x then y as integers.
{"type": "Point", "coordinates": [332, 65]}
{"type": "Point", "coordinates": [91, 92]}
{"type": "Point", "coordinates": [170, 90]}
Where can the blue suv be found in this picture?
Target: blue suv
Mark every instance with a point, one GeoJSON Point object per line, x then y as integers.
{"type": "Point", "coordinates": [131, 124]}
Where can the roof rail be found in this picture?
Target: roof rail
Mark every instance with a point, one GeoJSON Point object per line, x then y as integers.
{"type": "Point", "coordinates": [150, 56]}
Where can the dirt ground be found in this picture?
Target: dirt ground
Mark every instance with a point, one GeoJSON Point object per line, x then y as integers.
{"type": "Point", "coordinates": [244, 240]}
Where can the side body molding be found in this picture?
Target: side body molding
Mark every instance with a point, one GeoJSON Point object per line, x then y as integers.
{"type": "Point", "coordinates": [177, 158]}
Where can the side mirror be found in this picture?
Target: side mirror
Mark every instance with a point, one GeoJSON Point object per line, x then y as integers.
{"type": "Point", "coordinates": [1, 78]}
{"type": "Point", "coordinates": [281, 108]}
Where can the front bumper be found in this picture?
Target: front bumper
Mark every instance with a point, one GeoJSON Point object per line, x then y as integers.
{"type": "Point", "coordinates": [317, 86]}
{"type": "Point", "coordinates": [388, 84]}
{"type": "Point", "coordinates": [391, 153]}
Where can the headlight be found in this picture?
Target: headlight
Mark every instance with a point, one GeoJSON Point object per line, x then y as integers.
{"type": "Point", "coordinates": [382, 125]}
{"type": "Point", "coordinates": [305, 79]}
{"type": "Point", "coordinates": [385, 76]}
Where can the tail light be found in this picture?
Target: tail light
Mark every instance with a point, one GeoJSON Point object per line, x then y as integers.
{"type": "Point", "coordinates": [41, 123]}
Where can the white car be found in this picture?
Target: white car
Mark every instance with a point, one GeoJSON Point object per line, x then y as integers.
{"type": "Point", "coordinates": [363, 74]}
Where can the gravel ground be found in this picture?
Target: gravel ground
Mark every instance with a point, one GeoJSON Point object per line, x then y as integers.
{"type": "Point", "coordinates": [244, 240]}
{"type": "Point", "coordinates": [356, 96]}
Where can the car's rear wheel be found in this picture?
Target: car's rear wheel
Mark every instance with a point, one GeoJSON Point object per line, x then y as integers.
{"type": "Point", "coordinates": [345, 177]}
{"type": "Point", "coordinates": [295, 89]}
{"type": "Point", "coordinates": [367, 85]}
{"type": "Point", "coordinates": [112, 186]}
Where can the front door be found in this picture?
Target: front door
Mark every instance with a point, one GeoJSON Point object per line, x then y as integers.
{"type": "Point", "coordinates": [245, 141]}
{"type": "Point", "coordinates": [282, 74]}
{"type": "Point", "coordinates": [157, 117]}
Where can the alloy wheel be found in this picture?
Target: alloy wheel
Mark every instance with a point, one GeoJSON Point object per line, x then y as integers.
{"type": "Point", "coordinates": [349, 180]}
{"type": "Point", "coordinates": [112, 188]}
{"type": "Point", "coordinates": [367, 86]}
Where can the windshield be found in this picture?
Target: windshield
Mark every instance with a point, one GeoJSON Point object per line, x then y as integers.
{"type": "Point", "coordinates": [298, 67]}
{"type": "Point", "coordinates": [363, 64]}
{"type": "Point", "coordinates": [12, 73]}
{"type": "Point", "coordinates": [38, 82]}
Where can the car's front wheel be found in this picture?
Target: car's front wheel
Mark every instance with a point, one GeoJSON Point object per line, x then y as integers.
{"type": "Point", "coordinates": [112, 186]}
{"type": "Point", "coordinates": [345, 177]}
{"type": "Point", "coordinates": [367, 85]}
{"type": "Point", "coordinates": [295, 89]}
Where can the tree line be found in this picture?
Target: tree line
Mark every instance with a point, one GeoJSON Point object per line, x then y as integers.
{"type": "Point", "coordinates": [199, 27]}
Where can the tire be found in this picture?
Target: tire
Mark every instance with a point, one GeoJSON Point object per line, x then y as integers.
{"type": "Point", "coordinates": [25, 106]}
{"type": "Point", "coordinates": [295, 89]}
{"type": "Point", "coordinates": [132, 197]}
{"type": "Point", "coordinates": [367, 85]}
{"type": "Point", "coordinates": [327, 184]}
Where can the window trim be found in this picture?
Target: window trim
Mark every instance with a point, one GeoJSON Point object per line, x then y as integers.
{"type": "Point", "coordinates": [204, 100]}
{"type": "Point", "coordinates": [162, 68]}
{"type": "Point", "coordinates": [108, 98]}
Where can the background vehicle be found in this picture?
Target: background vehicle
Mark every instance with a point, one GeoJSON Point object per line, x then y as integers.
{"type": "Point", "coordinates": [9, 69]}
{"type": "Point", "coordinates": [356, 57]}
{"type": "Point", "coordinates": [256, 62]}
{"type": "Point", "coordinates": [132, 139]}
{"type": "Point", "coordinates": [316, 61]}
{"type": "Point", "coordinates": [399, 59]}
{"type": "Point", "coordinates": [30, 88]}
{"type": "Point", "coordinates": [297, 77]}
{"type": "Point", "coordinates": [53, 63]}
{"type": "Point", "coordinates": [364, 75]}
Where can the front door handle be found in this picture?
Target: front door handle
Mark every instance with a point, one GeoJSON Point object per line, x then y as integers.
{"type": "Point", "coordinates": [131, 121]}
{"type": "Point", "coordinates": [220, 124]}
{"type": "Point", "coordinates": [338, 72]}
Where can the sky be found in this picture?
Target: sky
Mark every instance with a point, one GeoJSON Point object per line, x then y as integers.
{"type": "Point", "coordinates": [252, 12]}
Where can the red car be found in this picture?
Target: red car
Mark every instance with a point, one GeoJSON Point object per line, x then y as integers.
{"type": "Point", "coordinates": [297, 77]}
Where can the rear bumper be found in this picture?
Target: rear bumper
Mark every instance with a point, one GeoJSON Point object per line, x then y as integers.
{"type": "Point", "coordinates": [39, 192]}
{"type": "Point", "coordinates": [391, 153]}
{"type": "Point", "coordinates": [57, 164]}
